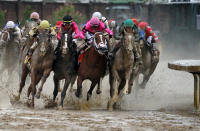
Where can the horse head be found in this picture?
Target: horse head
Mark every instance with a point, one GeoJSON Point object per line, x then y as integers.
{"type": "Point", "coordinates": [100, 43]}
{"type": "Point", "coordinates": [4, 38]}
{"type": "Point", "coordinates": [43, 40]}
{"type": "Point", "coordinates": [128, 39]}
{"type": "Point", "coordinates": [66, 41]}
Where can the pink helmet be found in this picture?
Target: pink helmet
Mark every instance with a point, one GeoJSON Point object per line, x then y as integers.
{"type": "Point", "coordinates": [94, 21]}
{"type": "Point", "coordinates": [34, 15]}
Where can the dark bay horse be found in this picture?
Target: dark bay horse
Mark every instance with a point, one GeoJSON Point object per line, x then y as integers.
{"type": "Point", "coordinates": [122, 68]}
{"type": "Point", "coordinates": [9, 48]}
{"type": "Point", "coordinates": [41, 65]}
{"type": "Point", "coordinates": [93, 65]}
{"type": "Point", "coordinates": [64, 64]}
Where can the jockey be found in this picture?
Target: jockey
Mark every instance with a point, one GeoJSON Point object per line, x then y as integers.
{"type": "Point", "coordinates": [66, 25]}
{"type": "Point", "coordinates": [101, 18]}
{"type": "Point", "coordinates": [150, 38]}
{"type": "Point", "coordinates": [35, 17]}
{"type": "Point", "coordinates": [136, 51]}
{"type": "Point", "coordinates": [11, 26]}
{"type": "Point", "coordinates": [92, 26]}
{"type": "Point", "coordinates": [44, 25]}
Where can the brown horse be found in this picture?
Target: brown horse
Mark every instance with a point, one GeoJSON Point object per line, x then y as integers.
{"type": "Point", "coordinates": [41, 65]}
{"type": "Point", "coordinates": [93, 65]}
{"type": "Point", "coordinates": [9, 52]}
{"type": "Point", "coordinates": [122, 67]}
{"type": "Point", "coordinates": [64, 64]}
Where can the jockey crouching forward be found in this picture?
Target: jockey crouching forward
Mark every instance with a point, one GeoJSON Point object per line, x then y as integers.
{"type": "Point", "coordinates": [92, 26]}
{"type": "Point", "coordinates": [150, 39]}
{"type": "Point", "coordinates": [66, 25]}
{"type": "Point", "coordinates": [44, 25]}
{"type": "Point", "coordinates": [136, 51]}
{"type": "Point", "coordinates": [12, 28]}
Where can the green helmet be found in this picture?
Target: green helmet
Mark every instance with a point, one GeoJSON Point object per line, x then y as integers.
{"type": "Point", "coordinates": [128, 23]}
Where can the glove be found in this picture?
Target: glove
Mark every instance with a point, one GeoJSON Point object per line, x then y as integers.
{"type": "Point", "coordinates": [76, 36]}
{"type": "Point", "coordinates": [149, 39]}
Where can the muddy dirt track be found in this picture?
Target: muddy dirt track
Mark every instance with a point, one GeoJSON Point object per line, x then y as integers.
{"type": "Point", "coordinates": [165, 104]}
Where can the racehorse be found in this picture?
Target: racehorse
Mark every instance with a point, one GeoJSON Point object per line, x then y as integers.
{"type": "Point", "coordinates": [148, 67]}
{"type": "Point", "coordinates": [93, 65]}
{"type": "Point", "coordinates": [64, 64]}
{"type": "Point", "coordinates": [40, 65]}
{"type": "Point", "coordinates": [9, 49]}
{"type": "Point", "coordinates": [122, 68]}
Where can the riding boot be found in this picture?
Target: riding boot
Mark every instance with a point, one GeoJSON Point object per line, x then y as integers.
{"type": "Point", "coordinates": [28, 56]}
{"type": "Point", "coordinates": [30, 52]}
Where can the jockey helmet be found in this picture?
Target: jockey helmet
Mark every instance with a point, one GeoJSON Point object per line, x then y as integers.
{"type": "Point", "coordinates": [143, 25]}
{"type": "Point", "coordinates": [10, 24]}
{"type": "Point", "coordinates": [128, 23]}
{"type": "Point", "coordinates": [44, 24]}
{"type": "Point", "coordinates": [97, 14]}
{"type": "Point", "coordinates": [67, 19]}
{"type": "Point", "coordinates": [58, 23]}
{"type": "Point", "coordinates": [94, 22]}
{"type": "Point", "coordinates": [34, 15]}
{"type": "Point", "coordinates": [135, 21]}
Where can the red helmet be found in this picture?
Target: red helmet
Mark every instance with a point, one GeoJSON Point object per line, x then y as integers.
{"type": "Point", "coordinates": [135, 21]}
{"type": "Point", "coordinates": [143, 24]}
{"type": "Point", "coordinates": [58, 23]}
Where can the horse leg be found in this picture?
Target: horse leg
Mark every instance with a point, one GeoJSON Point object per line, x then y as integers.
{"type": "Point", "coordinates": [99, 86]}
{"type": "Point", "coordinates": [56, 86]}
{"type": "Point", "coordinates": [67, 82]}
{"type": "Point", "coordinates": [127, 77]}
{"type": "Point", "coordinates": [73, 80]}
{"type": "Point", "coordinates": [33, 86]}
{"type": "Point", "coordinates": [89, 94]}
{"type": "Point", "coordinates": [22, 82]}
{"type": "Point", "coordinates": [43, 80]}
{"type": "Point", "coordinates": [78, 93]}
{"type": "Point", "coordinates": [38, 77]}
{"type": "Point", "coordinates": [115, 85]}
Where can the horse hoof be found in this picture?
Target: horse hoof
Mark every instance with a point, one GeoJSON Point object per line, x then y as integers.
{"type": "Point", "coordinates": [125, 92]}
{"type": "Point", "coordinates": [60, 108]}
{"type": "Point", "coordinates": [88, 96]}
{"type": "Point", "coordinates": [77, 94]}
{"type": "Point", "coordinates": [37, 96]}
{"type": "Point", "coordinates": [17, 98]}
{"type": "Point", "coordinates": [98, 92]}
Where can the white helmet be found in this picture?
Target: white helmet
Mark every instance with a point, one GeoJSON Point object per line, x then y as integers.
{"type": "Point", "coordinates": [10, 24]}
{"type": "Point", "coordinates": [97, 14]}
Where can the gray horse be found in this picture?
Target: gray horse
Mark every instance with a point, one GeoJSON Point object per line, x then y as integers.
{"type": "Point", "coordinates": [122, 68]}
{"type": "Point", "coordinates": [147, 68]}
{"type": "Point", "coordinates": [9, 48]}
